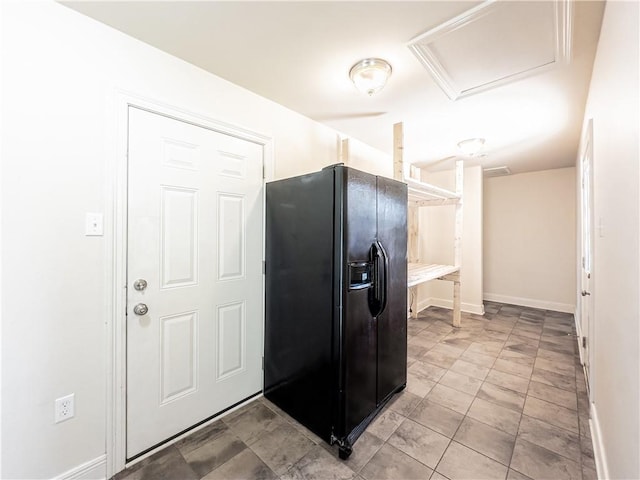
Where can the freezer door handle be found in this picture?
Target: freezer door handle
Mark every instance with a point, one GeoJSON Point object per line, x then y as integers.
{"type": "Point", "coordinates": [378, 295]}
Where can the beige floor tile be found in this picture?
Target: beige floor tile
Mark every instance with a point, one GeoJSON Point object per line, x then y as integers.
{"type": "Point", "coordinates": [364, 449]}
{"type": "Point", "coordinates": [587, 473]}
{"type": "Point", "coordinates": [554, 379]}
{"type": "Point", "coordinates": [460, 382]}
{"type": "Point", "coordinates": [553, 438]}
{"type": "Point", "coordinates": [389, 463]}
{"type": "Point", "coordinates": [487, 440]}
{"type": "Point", "coordinates": [478, 359]}
{"type": "Point", "coordinates": [404, 402]}
{"type": "Point", "coordinates": [421, 342]}
{"type": "Point", "coordinates": [516, 357]}
{"type": "Point", "coordinates": [555, 367]}
{"type": "Point", "coordinates": [507, 380]}
{"type": "Point", "coordinates": [457, 342]}
{"type": "Point", "coordinates": [513, 368]}
{"type": "Point", "coordinates": [211, 455]}
{"type": "Point", "coordinates": [494, 415]}
{"type": "Point", "coordinates": [538, 462]}
{"type": "Point", "coordinates": [164, 465]}
{"type": "Point", "coordinates": [449, 350]}
{"type": "Point", "coordinates": [551, 413]}
{"type": "Point", "coordinates": [513, 475]}
{"type": "Point", "coordinates": [470, 369]}
{"type": "Point", "coordinates": [418, 384]}
{"type": "Point", "coordinates": [500, 326]}
{"type": "Point", "coordinates": [200, 437]}
{"type": "Point", "coordinates": [427, 370]}
{"type": "Point", "coordinates": [521, 331]}
{"type": "Point", "coordinates": [436, 417]}
{"type": "Point", "coordinates": [460, 462]}
{"type": "Point", "coordinates": [244, 465]}
{"type": "Point", "coordinates": [502, 396]}
{"type": "Point", "coordinates": [319, 464]}
{"type": "Point", "coordinates": [555, 356]}
{"type": "Point", "coordinates": [419, 442]}
{"type": "Point", "coordinates": [438, 476]}
{"type": "Point", "coordinates": [415, 351]}
{"type": "Point", "coordinates": [385, 424]}
{"type": "Point", "coordinates": [283, 447]}
{"type": "Point", "coordinates": [253, 423]}
{"type": "Point", "coordinates": [492, 349]}
{"type": "Point", "coordinates": [438, 358]}
{"type": "Point", "coordinates": [450, 398]}
{"type": "Point", "coordinates": [555, 395]}
{"type": "Point", "coordinates": [588, 458]}
{"type": "Point", "coordinates": [519, 339]}
{"type": "Point", "coordinates": [521, 347]}
{"type": "Point", "coordinates": [563, 348]}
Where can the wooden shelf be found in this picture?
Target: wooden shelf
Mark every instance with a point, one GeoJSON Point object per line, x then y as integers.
{"type": "Point", "coordinates": [418, 273]}
{"type": "Point", "coordinates": [425, 194]}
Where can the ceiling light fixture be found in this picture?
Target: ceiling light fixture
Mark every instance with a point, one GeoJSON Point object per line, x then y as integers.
{"type": "Point", "coordinates": [370, 75]}
{"type": "Point", "coordinates": [471, 146]}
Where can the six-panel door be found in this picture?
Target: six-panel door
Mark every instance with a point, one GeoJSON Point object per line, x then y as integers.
{"type": "Point", "coordinates": [195, 236]}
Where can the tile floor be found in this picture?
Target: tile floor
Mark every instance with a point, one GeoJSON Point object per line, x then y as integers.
{"type": "Point", "coordinates": [503, 397]}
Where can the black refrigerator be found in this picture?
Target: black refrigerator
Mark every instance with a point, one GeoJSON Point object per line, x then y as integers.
{"type": "Point", "coordinates": [336, 299]}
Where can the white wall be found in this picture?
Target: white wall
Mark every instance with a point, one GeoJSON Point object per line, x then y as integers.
{"type": "Point", "coordinates": [530, 239]}
{"type": "Point", "coordinates": [60, 75]}
{"type": "Point", "coordinates": [436, 238]}
{"type": "Point", "coordinates": [363, 157]}
{"type": "Point", "coordinates": [614, 106]}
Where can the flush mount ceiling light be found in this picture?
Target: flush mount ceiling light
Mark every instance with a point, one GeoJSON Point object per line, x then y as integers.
{"type": "Point", "coordinates": [471, 146]}
{"type": "Point", "coordinates": [370, 75]}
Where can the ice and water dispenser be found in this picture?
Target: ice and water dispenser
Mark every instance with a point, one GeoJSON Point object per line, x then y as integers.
{"type": "Point", "coordinates": [360, 275]}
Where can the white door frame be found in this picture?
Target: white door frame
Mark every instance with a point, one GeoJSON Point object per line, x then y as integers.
{"type": "Point", "coordinates": [116, 249]}
{"type": "Point", "coordinates": [586, 150]}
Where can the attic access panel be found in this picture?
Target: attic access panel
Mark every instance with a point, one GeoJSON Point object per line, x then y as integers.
{"type": "Point", "coordinates": [495, 43]}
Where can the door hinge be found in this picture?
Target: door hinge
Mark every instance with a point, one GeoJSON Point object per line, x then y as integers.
{"type": "Point", "coordinates": [264, 174]}
{"type": "Point", "coordinates": [264, 267]}
{"type": "Point", "coordinates": [584, 342]}
{"type": "Point", "coordinates": [262, 363]}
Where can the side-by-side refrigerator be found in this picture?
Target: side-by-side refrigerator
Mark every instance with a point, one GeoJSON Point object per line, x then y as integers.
{"type": "Point", "coordinates": [336, 299]}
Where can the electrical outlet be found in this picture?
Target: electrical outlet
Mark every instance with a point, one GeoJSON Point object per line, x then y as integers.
{"type": "Point", "coordinates": [65, 408]}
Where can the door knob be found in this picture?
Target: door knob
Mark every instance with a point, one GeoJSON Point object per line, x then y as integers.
{"type": "Point", "coordinates": [140, 284]}
{"type": "Point", "coordinates": [584, 293]}
{"type": "Point", "coordinates": [140, 309]}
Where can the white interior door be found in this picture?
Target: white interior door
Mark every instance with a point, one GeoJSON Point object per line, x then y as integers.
{"type": "Point", "coordinates": [586, 277]}
{"type": "Point", "coordinates": [195, 237]}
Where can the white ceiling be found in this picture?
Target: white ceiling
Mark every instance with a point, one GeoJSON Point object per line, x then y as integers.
{"type": "Point", "coordinates": [299, 55]}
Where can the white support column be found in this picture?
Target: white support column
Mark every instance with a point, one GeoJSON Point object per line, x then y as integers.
{"type": "Point", "coordinates": [412, 213]}
{"type": "Point", "coordinates": [343, 154]}
{"type": "Point", "coordinates": [398, 147]}
{"type": "Point", "coordinates": [456, 304]}
{"type": "Point", "coordinates": [457, 255]}
{"type": "Point", "coordinates": [412, 252]}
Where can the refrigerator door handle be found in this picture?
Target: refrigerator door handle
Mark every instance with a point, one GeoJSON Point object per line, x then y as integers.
{"type": "Point", "coordinates": [384, 282]}
{"type": "Point", "coordinates": [378, 294]}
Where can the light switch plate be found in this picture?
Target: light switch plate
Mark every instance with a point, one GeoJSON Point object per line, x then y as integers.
{"type": "Point", "coordinates": [93, 224]}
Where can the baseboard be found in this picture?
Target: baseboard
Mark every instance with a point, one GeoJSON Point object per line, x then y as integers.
{"type": "Point", "coordinates": [424, 303]}
{"type": "Point", "coordinates": [95, 469]}
{"type": "Point", "coordinates": [444, 303]}
{"type": "Point", "coordinates": [530, 302]}
{"type": "Point", "coordinates": [598, 445]}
